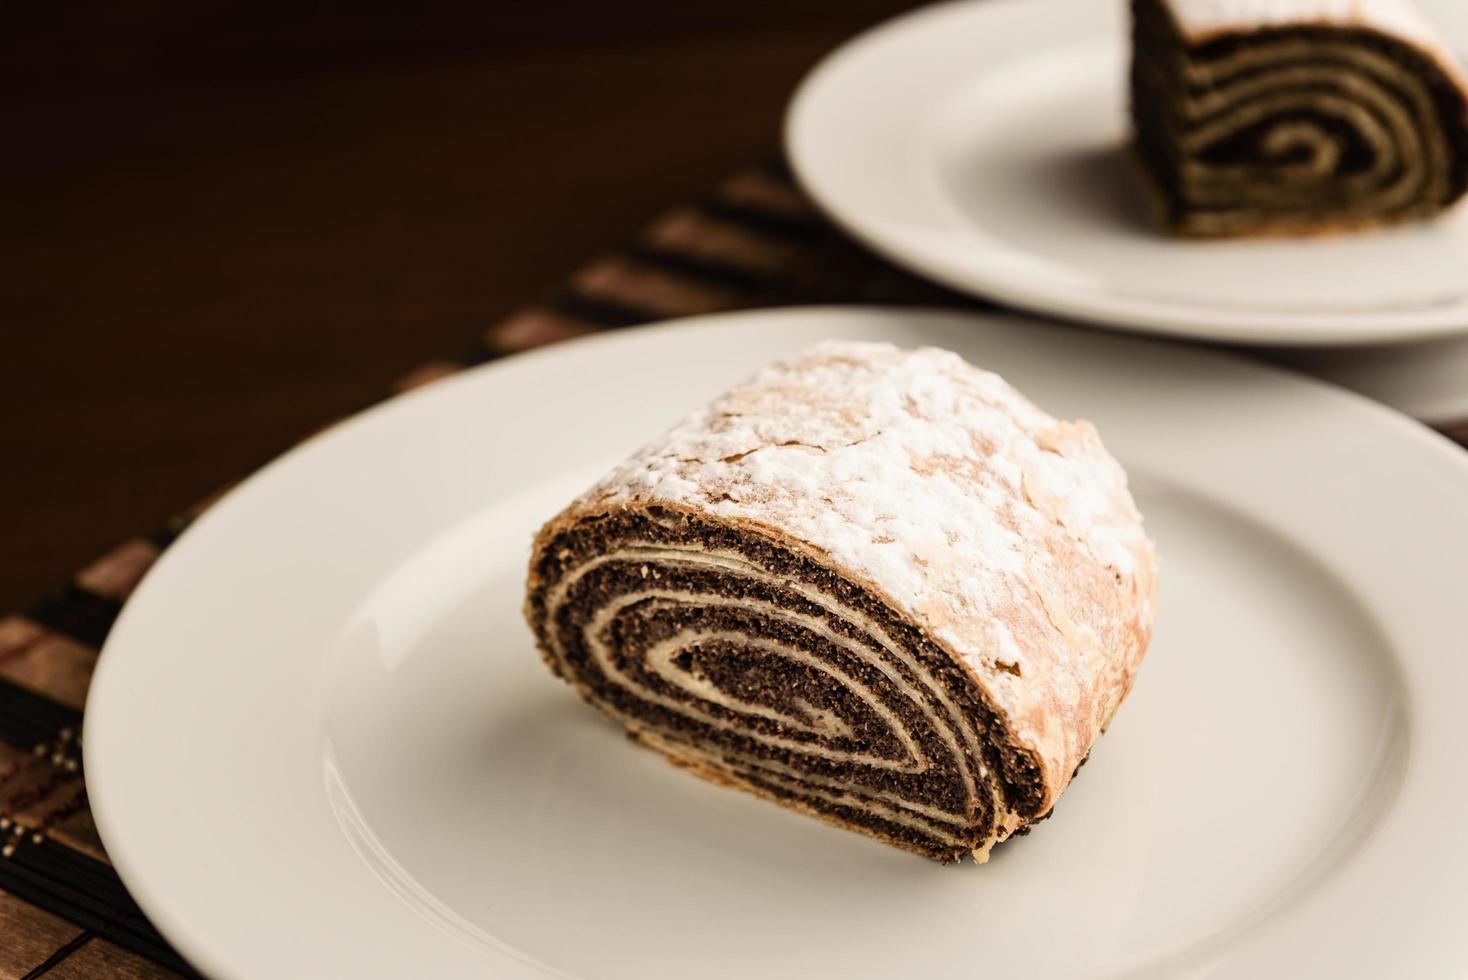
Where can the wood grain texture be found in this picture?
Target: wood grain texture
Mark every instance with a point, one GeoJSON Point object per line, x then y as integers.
{"type": "Point", "coordinates": [45, 661]}
{"type": "Point", "coordinates": [28, 936]}
{"type": "Point", "coordinates": [98, 959]}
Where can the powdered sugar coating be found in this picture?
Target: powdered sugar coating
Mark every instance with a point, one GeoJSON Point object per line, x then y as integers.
{"type": "Point", "coordinates": [1007, 536]}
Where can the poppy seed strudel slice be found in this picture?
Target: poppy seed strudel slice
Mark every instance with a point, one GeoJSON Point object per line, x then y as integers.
{"type": "Point", "coordinates": [1258, 117]}
{"type": "Point", "coordinates": [875, 586]}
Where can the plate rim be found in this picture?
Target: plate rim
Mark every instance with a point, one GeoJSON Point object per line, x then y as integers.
{"type": "Point", "coordinates": [129, 864]}
{"type": "Point", "coordinates": [1112, 310]}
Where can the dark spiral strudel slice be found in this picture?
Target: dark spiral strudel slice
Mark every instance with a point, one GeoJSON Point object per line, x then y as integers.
{"type": "Point", "coordinates": [1296, 116]}
{"type": "Point", "coordinates": [875, 586]}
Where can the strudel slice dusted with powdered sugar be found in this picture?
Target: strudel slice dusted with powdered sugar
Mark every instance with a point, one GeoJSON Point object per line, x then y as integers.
{"type": "Point", "coordinates": [875, 586]}
{"type": "Point", "coordinates": [1296, 116]}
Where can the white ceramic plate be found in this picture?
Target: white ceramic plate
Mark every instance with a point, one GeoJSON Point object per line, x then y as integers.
{"type": "Point", "coordinates": [982, 143]}
{"type": "Point", "coordinates": [320, 743]}
{"type": "Point", "coordinates": [1428, 380]}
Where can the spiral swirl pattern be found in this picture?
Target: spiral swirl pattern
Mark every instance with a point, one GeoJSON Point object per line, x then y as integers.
{"type": "Point", "coordinates": [873, 585]}
{"type": "Point", "coordinates": [751, 663]}
{"type": "Point", "coordinates": [1294, 128]}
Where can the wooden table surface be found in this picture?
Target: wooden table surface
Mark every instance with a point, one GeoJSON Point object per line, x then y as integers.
{"type": "Point", "coordinates": [222, 228]}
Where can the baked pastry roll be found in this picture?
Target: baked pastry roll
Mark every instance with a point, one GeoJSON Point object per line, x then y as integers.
{"type": "Point", "coordinates": [1296, 116]}
{"type": "Point", "coordinates": [879, 587]}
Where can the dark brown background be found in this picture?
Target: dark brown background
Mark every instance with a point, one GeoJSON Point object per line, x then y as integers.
{"type": "Point", "coordinates": [225, 222]}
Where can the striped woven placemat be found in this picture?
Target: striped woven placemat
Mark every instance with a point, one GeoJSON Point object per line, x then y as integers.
{"type": "Point", "coordinates": [753, 241]}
